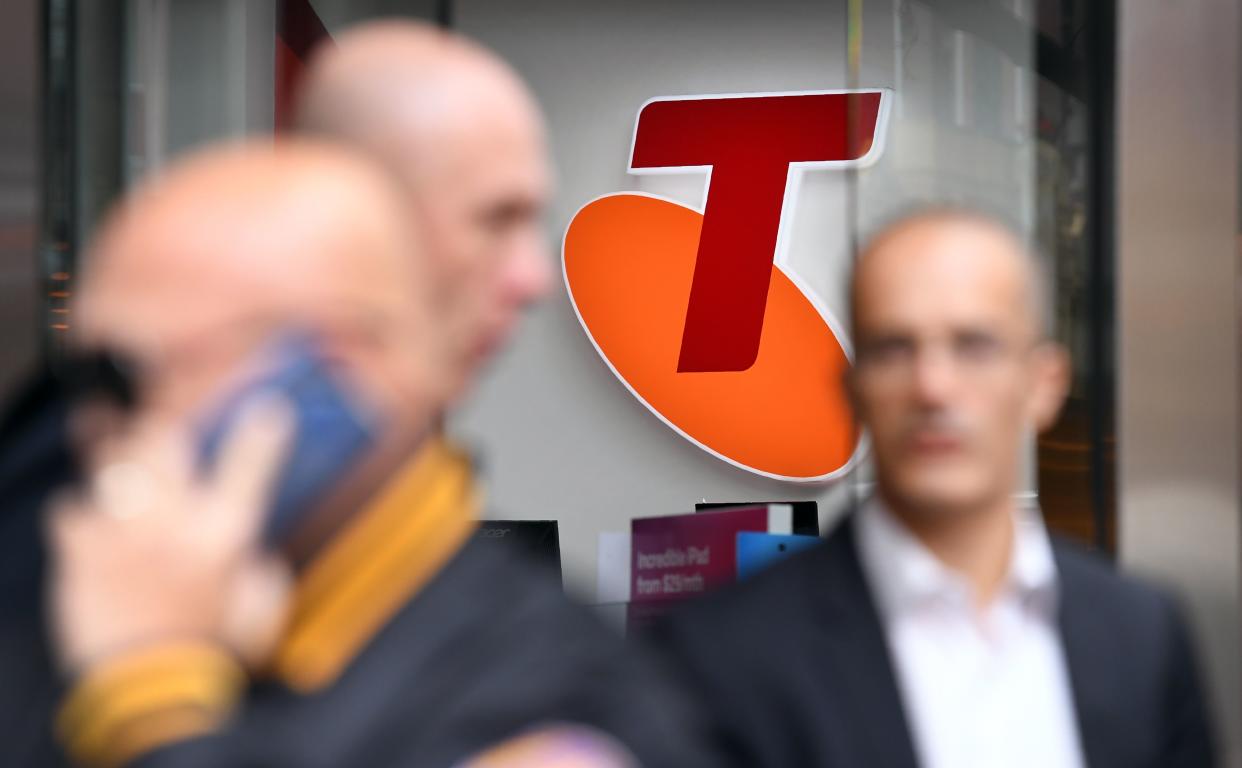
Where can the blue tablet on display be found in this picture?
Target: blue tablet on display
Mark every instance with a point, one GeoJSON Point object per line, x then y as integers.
{"type": "Point", "coordinates": [756, 551]}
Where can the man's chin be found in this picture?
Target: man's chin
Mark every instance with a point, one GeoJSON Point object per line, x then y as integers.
{"type": "Point", "coordinates": [478, 361]}
{"type": "Point", "coordinates": [940, 496]}
{"type": "Point", "coordinates": [483, 352]}
{"type": "Point", "coordinates": [470, 370]}
{"type": "Point", "coordinates": [459, 391]}
{"type": "Point", "coordinates": [493, 339]}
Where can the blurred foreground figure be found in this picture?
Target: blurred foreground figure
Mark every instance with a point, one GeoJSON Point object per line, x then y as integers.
{"type": "Point", "coordinates": [462, 132]}
{"type": "Point", "coordinates": [406, 642]}
{"type": "Point", "coordinates": [940, 625]}
{"type": "Point", "coordinates": [464, 136]}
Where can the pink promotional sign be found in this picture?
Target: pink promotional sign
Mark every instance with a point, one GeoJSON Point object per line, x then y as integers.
{"type": "Point", "coordinates": [677, 557]}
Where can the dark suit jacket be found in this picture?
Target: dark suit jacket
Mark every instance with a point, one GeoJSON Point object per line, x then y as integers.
{"type": "Point", "coordinates": [35, 460]}
{"type": "Point", "coordinates": [794, 669]}
{"type": "Point", "coordinates": [489, 648]}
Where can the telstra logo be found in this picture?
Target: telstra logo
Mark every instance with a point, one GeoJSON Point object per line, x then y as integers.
{"type": "Point", "coordinates": [694, 310]}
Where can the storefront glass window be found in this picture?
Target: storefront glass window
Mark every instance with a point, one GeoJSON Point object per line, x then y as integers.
{"type": "Point", "coordinates": [1003, 104]}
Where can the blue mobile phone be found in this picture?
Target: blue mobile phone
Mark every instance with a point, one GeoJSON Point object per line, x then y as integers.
{"type": "Point", "coordinates": [331, 432]}
{"type": "Point", "coordinates": [756, 551]}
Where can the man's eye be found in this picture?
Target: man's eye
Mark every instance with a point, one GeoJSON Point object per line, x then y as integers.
{"type": "Point", "coordinates": [507, 216]}
{"type": "Point", "coordinates": [886, 350]}
{"type": "Point", "coordinates": [976, 346]}
{"type": "Point", "coordinates": [494, 221]}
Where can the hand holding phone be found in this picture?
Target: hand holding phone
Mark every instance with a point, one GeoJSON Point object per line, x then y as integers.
{"type": "Point", "coordinates": [149, 552]}
{"type": "Point", "coordinates": [332, 430]}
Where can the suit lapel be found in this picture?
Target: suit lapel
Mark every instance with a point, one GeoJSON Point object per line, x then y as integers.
{"type": "Point", "coordinates": [1088, 658]}
{"type": "Point", "coordinates": [858, 658]}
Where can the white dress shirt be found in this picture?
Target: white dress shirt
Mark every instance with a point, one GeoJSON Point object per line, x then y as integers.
{"type": "Point", "coordinates": [986, 688]}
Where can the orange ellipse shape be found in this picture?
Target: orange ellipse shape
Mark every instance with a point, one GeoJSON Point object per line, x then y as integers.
{"type": "Point", "coordinates": [629, 260]}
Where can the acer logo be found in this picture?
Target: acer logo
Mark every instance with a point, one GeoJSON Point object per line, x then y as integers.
{"type": "Point", "coordinates": [693, 309]}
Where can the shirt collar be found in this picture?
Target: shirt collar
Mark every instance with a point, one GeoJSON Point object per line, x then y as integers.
{"type": "Point", "coordinates": [383, 557]}
{"type": "Point", "coordinates": [904, 574]}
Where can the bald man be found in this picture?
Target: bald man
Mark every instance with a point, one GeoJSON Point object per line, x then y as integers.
{"type": "Point", "coordinates": [940, 625]}
{"type": "Point", "coordinates": [187, 279]}
{"type": "Point", "coordinates": [408, 641]}
{"type": "Point", "coordinates": [462, 132]}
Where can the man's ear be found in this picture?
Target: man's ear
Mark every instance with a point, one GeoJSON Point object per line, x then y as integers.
{"type": "Point", "coordinates": [1050, 384]}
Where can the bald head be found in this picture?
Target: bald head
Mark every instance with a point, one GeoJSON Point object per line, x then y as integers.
{"type": "Point", "coordinates": [462, 132]}
{"type": "Point", "coordinates": [402, 89]}
{"type": "Point", "coordinates": [973, 236]}
{"type": "Point", "coordinates": [195, 269]}
{"type": "Point", "coordinates": [251, 229]}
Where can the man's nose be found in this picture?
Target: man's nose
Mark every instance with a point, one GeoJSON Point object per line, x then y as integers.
{"type": "Point", "coordinates": [935, 375]}
{"type": "Point", "coordinates": [530, 270]}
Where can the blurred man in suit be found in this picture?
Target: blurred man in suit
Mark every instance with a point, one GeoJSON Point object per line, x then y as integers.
{"type": "Point", "coordinates": [407, 641]}
{"type": "Point", "coordinates": [940, 625]}
{"type": "Point", "coordinates": [462, 134]}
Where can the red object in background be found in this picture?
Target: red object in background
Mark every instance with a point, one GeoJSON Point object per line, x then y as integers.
{"type": "Point", "coordinates": [749, 142]}
{"type": "Point", "coordinates": [298, 30]}
{"type": "Point", "coordinates": [679, 557]}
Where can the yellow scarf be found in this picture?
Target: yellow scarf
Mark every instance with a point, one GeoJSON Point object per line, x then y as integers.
{"type": "Point", "coordinates": [375, 564]}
